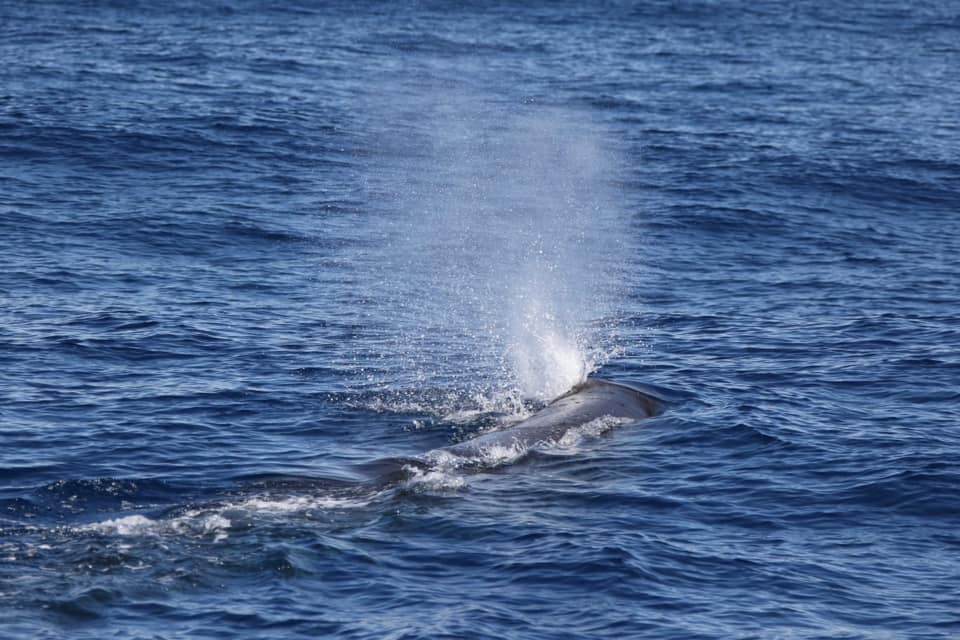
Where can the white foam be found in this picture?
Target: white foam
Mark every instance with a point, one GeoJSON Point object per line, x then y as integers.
{"type": "Point", "coordinates": [596, 427]}
{"type": "Point", "coordinates": [292, 504]}
{"type": "Point", "coordinates": [499, 455]}
{"type": "Point", "coordinates": [435, 480]}
{"type": "Point", "coordinates": [202, 522]}
{"type": "Point", "coordinates": [192, 522]}
{"type": "Point", "coordinates": [495, 455]}
{"type": "Point", "coordinates": [216, 521]}
{"type": "Point", "coordinates": [126, 526]}
{"type": "Point", "coordinates": [439, 458]}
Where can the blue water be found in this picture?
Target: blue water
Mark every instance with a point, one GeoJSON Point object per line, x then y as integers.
{"type": "Point", "coordinates": [246, 250]}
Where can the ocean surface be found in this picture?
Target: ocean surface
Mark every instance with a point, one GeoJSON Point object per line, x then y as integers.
{"type": "Point", "coordinates": [250, 249]}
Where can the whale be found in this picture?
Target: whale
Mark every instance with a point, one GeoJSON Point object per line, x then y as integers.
{"type": "Point", "coordinates": [591, 400]}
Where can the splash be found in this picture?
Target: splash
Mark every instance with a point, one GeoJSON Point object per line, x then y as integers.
{"type": "Point", "coordinates": [216, 521]}
{"type": "Point", "coordinates": [546, 357]}
{"type": "Point", "coordinates": [495, 273]}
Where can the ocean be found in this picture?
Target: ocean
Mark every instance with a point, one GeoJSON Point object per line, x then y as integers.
{"type": "Point", "coordinates": [250, 249]}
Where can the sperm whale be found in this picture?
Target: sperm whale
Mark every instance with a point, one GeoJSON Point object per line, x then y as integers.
{"type": "Point", "coordinates": [588, 401]}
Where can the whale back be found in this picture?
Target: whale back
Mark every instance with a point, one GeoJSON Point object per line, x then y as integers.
{"type": "Point", "coordinates": [588, 401]}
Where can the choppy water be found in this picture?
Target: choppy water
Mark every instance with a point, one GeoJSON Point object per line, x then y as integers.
{"type": "Point", "coordinates": [245, 249]}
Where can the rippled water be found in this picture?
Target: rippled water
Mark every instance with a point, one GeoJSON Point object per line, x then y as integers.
{"type": "Point", "coordinates": [246, 251]}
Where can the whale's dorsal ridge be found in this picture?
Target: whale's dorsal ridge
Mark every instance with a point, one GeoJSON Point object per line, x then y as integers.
{"type": "Point", "coordinates": [589, 400]}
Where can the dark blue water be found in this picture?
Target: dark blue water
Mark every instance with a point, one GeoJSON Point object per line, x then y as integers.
{"type": "Point", "coordinates": [245, 250]}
